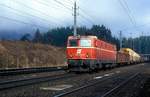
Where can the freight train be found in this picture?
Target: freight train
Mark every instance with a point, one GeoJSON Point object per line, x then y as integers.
{"type": "Point", "coordinates": [88, 53]}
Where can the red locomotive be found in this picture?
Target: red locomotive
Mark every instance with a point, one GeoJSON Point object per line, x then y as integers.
{"type": "Point", "coordinates": [88, 53]}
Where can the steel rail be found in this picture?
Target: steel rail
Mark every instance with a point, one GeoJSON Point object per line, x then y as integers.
{"type": "Point", "coordinates": [82, 87]}
{"type": "Point", "coordinates": [120, 85]}
{"type": "Point", "coordinates": [92, 84]}
{"type": "Point", "coordinates": [7, 72]}
{"type": "Point", "coordinates": [28, 81]}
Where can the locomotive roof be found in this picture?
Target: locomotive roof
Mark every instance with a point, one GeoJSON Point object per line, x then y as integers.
{"type": "Point", "coordinates": [89, 36]}
{"type": "Point", "coordinates": [83, 37]}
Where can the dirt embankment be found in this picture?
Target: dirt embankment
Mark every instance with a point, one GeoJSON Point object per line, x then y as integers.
{"type": "Point", "coordinates": [24, 54]}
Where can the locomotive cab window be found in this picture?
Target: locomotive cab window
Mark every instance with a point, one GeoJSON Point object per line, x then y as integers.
{"type": "Point", "coordinates": [73, 42]}
{"type": "Point", "coordinates": [85, 43]}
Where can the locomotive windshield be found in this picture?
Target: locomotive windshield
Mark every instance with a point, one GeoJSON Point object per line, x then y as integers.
{"type": "Point", "coordinates": [73, 42]}
{"type": "Point", "coordinates": [85, 43]}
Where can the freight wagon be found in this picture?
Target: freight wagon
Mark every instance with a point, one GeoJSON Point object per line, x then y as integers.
{"type": "Point", "coordinates": [133, 57]}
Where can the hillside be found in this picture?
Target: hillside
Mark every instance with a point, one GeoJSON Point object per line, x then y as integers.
{"type": "Point", "coordinates": [24, 54]}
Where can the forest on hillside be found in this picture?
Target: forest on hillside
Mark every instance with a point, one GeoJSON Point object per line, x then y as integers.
{"type": "Point", "coordinates": [140, 44]}
{"type": "Point", "coordinates": [58, 37]}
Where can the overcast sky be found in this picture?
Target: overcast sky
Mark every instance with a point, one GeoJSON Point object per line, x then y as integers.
{"type": "Point", "coordinates": [130, 16]}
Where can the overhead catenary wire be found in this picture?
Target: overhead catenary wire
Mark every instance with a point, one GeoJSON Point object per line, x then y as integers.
{"type": "Point", "coordinates": [28, 14]}
{"type": "Point", "coordinates": [22, 22]}
{"type": "Point", "coordinates": [43, 13]}
{"type": "Point", "coordinates": [82, 15]}
{"type": "Point", "coordinates": [126, 11]}
{"type": "Point", "coordinates": [132, 16]}
{"type": "Point", "coordinates": [87, 18]}
{"type": "Point", "coordinates": [70, 1]}
{"type": "Point", "coordinates": [45, 3]}
{"type": "Point", "coordinates": [69, 4]}
{"type": "Point", "coordinates": [138, 26]}
{"type": "Point", "coordinates": [86, 13]}
{"type": "Point", "coordinates": [63, 5]}
{"type": "Point", "coordinates": [67, 12]}
{"type": "Point", "coordinates": [129, 10]}
{"type": "Point", "coordinates": [58, 6]}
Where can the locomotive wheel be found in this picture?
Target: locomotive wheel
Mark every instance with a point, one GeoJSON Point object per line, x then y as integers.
{"type": "Point", "coordinates": [96, 70]}
{"type": "Point", "coordinates": [104, 67]}
{"type": "Point", "coordinates": [78, 72]}
{"type": "Point", "coordinates": [90, 71]}
{"type": "Point", "coordinates": [67, 70]}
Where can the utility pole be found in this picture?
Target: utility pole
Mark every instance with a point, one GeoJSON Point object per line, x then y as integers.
{"type": "Point", "coordinates": [140, 45]}
{"type": "Point", "coordinates": [75, 19]}
{"type": "Point", "coordinates": [131, 41]}
{"type": "Point", "coordinates": [120, 39]}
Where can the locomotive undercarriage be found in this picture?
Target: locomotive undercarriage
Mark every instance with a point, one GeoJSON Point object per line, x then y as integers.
{"type": "Point", "coordinates": [78, 65]}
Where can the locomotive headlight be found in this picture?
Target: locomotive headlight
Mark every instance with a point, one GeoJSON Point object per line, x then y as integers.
{"type": "Point", "coordinates": [71, 55]}
{"type": "Point", "coordinates": [87, 55]}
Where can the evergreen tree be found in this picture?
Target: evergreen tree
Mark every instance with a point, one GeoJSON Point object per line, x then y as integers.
{"type": "Point", "coordinates": [58, 36]}
{"type": "Point", "coordinates": [26, 37]}
{"type": "Point", "coordinates": [37, 37]}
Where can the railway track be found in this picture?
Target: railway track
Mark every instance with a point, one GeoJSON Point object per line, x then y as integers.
{"type": "Point", "coordinates": [28, 81]}
{"type": "Point", "coordinates": [113, 90]}
{"type": "Point", "coordinates": [92, 84]}
{"type": "Point", "coordinates": [85, 85]}
{"type": "Point", "coordinates": [7, 72]}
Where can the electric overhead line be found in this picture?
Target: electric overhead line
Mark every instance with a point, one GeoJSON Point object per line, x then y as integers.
{"type": "Point", "coordinates": [23, 22]}
{"type": "Point", "coordinates": [128, 14]}
{"type": "Point", "coordinates": [70, 1]}
{"type": "Point", "coordinates": [20, 11]}
{"type": "Point", "coordinates": [82, 15]}
{"type": "Point", "coordinates": [129, 10]}
{"type": "Point", "coordinates": [43, 13]}
{"type": "Point", "coordinates": [138, 26]}
{"type": "Point", "coordinates": [69, 4]}
{"type": "Point", "coordinates": [18, 14]}
{"type": "Point", "coordinates": [60, 4]}
{"type": "Point", "coordinates": [47, 5]}
{"type": "Point", "coordinates": [89, 19]}
{"type": "Point", "coordinates": [66, 7]}
{"type": "Point", "coordinates": [63, 5]}
{"type": "Point", "coordinates": [86, 13]}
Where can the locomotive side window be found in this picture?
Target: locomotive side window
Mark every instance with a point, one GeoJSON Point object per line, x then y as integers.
{"type": "Point", "coordinates": [73, 42]}
{"type": "Point", "coordinates": [85, 43]}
